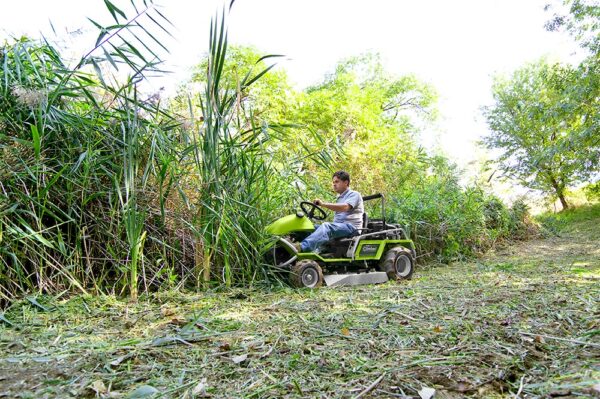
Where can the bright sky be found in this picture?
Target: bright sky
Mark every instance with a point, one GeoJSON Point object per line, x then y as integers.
{"type": "Point", "coordinates": [454, 45]}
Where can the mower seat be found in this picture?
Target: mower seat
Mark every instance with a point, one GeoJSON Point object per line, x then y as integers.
{"type": "Point", "coordinates": [365, 223]}
{"type": "Point", "coordinates": [339, 246]}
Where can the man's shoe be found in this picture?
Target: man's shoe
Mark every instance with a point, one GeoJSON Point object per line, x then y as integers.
{"type": "Point", "coordinates": [297, 246]}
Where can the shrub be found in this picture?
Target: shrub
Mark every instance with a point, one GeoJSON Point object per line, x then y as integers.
{"type": "Point", "coordinates": [592, 191]}
{"type": "Point", "coordinates": [449, 222]}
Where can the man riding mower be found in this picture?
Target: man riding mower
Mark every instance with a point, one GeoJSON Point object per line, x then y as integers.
{"type": "Point", "coordinates": [350, 251]}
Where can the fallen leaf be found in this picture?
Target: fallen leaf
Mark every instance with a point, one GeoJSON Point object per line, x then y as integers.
{"type": "Point", "coordinates": [166, 311]}
{"type": "Point", "coordinates": [4, 319]}
{"type": "Point", "coordinates": [42, 359]}
{"type": "Point", "coordinates": [539, 339]}
{"type": "Point", "coordinates": [463, 387]}
{"type": "Point", "coordinates": [345, 331]}
{"type": "Point", "coordinates": [35, 302]}
{"type": "Point", "coordinates": [224, 346]}
{"type": "Point", "coordinates": [98, 387]}
{"type": "Point", "coordinates": [144, 391]}
{"type": "Point", "coordinates": [200, 389]}
{"type": "Point", "coordinates": [426, 393]}
{"type": "Point", "coordinates": [239, 359]}
{"type": "Point", "coordinates": [438, 329]}
{"type": "Point", "coordinates": [178, 320]}
{"type": "Point", "coordinates": [120, 359]}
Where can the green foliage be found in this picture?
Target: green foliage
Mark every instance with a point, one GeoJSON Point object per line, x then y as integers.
{"type": "Point", "coordinates": [374, 116]}
{"type": "Point", "coordinates": [449, 222]}
{"type": "Point", "coordinates": [582, 21]}
{"type": "Point", "coordinates": [592, 191]}
{"type": "Point", "coordinates": [582, 218]}
{"type": "Point", "coordinates": [230, 158]}
{"type": "Point", "coordinates": [105, 191]}
{"type": "Point", "coordinates": [546, 130]}
{"type": "Point", "coordinates": [268, 97]}
{"type": "Point", "coordinates": [79, 156]}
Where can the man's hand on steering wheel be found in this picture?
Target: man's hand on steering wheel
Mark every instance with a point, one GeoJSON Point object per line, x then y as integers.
{"type": "Point", "coordinates": [313, 210]}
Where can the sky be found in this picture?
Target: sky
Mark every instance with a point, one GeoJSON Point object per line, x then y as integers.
{"type": "Point", "coordinates": [456, 46]}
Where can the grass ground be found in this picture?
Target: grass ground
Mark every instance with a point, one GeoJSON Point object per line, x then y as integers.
{"type": "Point", "coordinates": [522, 322]}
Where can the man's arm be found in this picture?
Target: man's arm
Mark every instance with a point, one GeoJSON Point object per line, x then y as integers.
{"type": "Point", "coordinates": [334, 207]}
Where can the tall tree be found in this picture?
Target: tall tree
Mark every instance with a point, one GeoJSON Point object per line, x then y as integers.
{"type": "Point", "coordinates": [538, 126]}
{"type": "Point", "coordinates": [581, 19]}
{"type": "Point", "coordinates": [375, 116]}
{"type": "Point", "coordinates": [269, 96]}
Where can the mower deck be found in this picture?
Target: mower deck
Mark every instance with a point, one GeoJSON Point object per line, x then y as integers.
{"type": "Point", "coordinates": [339, 280]}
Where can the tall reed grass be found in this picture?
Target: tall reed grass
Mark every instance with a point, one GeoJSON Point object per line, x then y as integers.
{"type": "Point", "coordinates": [104, 191]}
{"type": "Point", "coordinates": [71, 148]}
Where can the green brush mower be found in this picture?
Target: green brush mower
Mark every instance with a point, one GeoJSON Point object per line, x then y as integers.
{"type": "Point", "coordinates": [379, 252]}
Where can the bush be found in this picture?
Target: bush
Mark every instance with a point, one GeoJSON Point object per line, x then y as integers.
{"type": "Point", "coordinates": [592, 192]}
{"type": "Point", "coordinates": [449, 222]}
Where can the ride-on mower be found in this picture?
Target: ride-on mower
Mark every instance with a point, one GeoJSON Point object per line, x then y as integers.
{"type": "Point", "coordinates": [380, 251]}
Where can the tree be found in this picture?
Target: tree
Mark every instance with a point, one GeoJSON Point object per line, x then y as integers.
{"type": "Point", "coordinates": [375, 116]}
{"type": "Point", "coordinates": [360, 107]}
{"type": "Point", "coordinates": [542, 128]}
{"type": "Point", "coordinates": [268, 98]}
{"type": "Point", "coordinates": [581, 20]}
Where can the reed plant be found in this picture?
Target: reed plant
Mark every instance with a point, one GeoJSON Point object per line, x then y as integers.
{"type": "Point", "coordinates": [74, 158]}
{"type": "Point", "coordinates": [229, 155]}
{"type": "Point", "coordinates": [104, 189]}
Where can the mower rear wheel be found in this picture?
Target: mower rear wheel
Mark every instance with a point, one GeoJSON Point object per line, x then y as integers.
{"type": "Point", "coordinates": [398, 263]}
{"type": "Point", "coordinates": [306, 274]}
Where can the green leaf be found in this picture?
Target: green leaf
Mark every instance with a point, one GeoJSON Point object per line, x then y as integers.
{"type": "Point", "coordinates": [34, 301]}
{"type": "Point", "coordinates": [110, 58]}
{"type": "Point", "coordinates": [5, 320]}
{"type": "Point", "coordinates": [114, 10]}
{"type": "Point", "coordinates": [36, 140]}
{"type": "Point", "coordinates": [53, 181]}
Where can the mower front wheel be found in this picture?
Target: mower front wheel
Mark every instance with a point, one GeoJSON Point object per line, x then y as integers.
{"type": "Point", "coordinates": [398, 264]}
{"type": "Point", "coordinates": [306, 274]}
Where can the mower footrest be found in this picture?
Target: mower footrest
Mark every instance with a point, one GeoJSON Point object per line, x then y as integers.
{"type": "Point", "coordinates": [336, 280]}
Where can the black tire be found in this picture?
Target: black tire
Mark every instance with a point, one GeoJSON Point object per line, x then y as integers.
{"type": "Point", "coordinates": [398, 263]}
{"type": "Point", "coordinates": [306, 274]}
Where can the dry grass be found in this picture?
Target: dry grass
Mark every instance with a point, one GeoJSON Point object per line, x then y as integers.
{"type": "Point", "coordinates": [522, 322]}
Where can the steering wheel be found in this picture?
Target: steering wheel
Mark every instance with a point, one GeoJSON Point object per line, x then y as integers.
{"type": "Point", "coordinates": [313, 211]}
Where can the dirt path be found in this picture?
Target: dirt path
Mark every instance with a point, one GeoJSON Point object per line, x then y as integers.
{"type": "Point", "coordinates": [523, 321]}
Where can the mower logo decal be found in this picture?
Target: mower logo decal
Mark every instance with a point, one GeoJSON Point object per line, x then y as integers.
{"type": "Point", "coordinates": [369, 249]}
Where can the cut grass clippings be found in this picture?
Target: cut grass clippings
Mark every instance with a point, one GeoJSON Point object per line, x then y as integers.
{"type": "Point", "coordinates": [523, 321]}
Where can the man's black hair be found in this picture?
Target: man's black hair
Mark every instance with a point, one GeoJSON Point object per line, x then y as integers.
{"type": "Point", "coordinates": [342, 175]}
